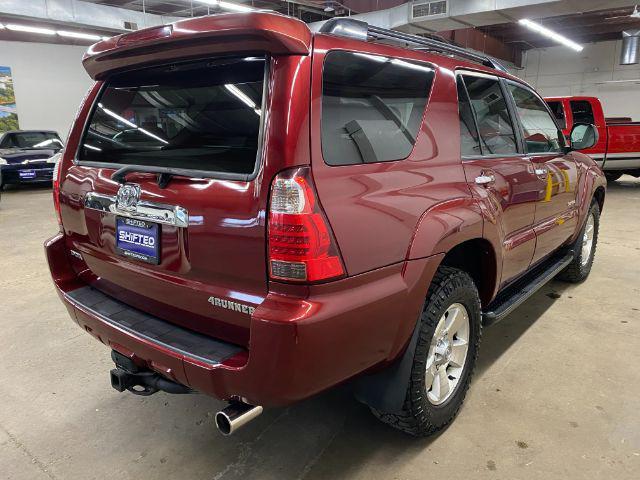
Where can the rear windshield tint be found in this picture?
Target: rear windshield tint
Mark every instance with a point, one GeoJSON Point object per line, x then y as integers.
{"type": "Point", "coordinates": [198, 116]}
{"type": "Point", "coordinates": [372, 107]}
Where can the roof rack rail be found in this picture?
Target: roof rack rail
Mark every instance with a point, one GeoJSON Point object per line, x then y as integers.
{"type": "Point", "coordinates": [352, 28]}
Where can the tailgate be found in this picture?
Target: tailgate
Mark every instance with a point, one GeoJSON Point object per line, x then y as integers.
{"type": "Point", "coordinates": [189, 246]}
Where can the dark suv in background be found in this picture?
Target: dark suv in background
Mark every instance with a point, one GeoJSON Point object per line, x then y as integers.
{"type": "Point", "coordinates": [260, 213]}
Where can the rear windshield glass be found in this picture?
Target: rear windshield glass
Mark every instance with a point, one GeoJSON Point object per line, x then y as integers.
{"type": "Point", "coordinates": [372, 107]}
{"type": "Point", "coordinates": [32, 140]}
{"type": "Point", "coordinates": [197, 116]}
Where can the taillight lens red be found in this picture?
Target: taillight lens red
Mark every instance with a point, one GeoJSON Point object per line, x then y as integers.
{"type": "Point", "coordinates": [301, 245]}
{"type": "Point", "coordinates": [56, 190]}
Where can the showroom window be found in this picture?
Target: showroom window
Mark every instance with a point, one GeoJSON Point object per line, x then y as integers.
{"type": "Point", "coordinates": [372, 107]}
{"type": "Point", "coordinates": [582, 112]}
{"type": "Point", "coordinates": [540, 131]}
{"type": "Point", "coordinates": [492, 115]}
{"type": "Point", "coordinates": [199, 116]}
{"type": "Point", "coordinates": [558, 111]}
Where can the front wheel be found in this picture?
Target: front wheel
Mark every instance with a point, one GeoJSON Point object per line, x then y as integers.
{"type": "Point", "coordinates": [445, 355]}
{"type": "Point", "coordinates": [585, 248]}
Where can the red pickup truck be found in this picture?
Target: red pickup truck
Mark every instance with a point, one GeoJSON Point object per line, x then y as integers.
{"type": "Point", "coordinates": [618, 147]}
{"type": "Point", "coordinates": [259, 213]}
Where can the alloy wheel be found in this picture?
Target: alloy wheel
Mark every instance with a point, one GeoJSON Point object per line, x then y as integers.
{"type": "Point", "coordinates": [447, 354]}
{"type": "Point", "coordinates": [587, 240]}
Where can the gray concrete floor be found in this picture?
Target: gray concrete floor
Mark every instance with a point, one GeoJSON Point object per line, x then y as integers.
{"type": "Point", "coordinates": [556, 393]}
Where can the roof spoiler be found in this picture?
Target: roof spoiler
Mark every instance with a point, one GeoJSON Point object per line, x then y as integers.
{"type": "Point", "coordinates": [349, 27]}
{"type": "Point", "coordinates": [201, 37]}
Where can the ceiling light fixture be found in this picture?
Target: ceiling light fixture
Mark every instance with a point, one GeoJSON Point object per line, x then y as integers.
{"type": "Point", "coordinates": [234, 7]}
{"type": "Point", "coordinates": [25, 28]}
{"type": "Point", "coordinates": [84, 36]}
{"type": "Point", "coordinates": [551, 34]}
{"type": "Point", "coordinates": [47, 31]}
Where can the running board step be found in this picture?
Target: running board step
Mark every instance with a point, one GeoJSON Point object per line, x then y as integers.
{"type": "Point", "coordinates": [514, 295]}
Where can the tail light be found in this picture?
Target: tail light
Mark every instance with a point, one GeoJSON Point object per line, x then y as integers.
{"type": "Point", "coordinates": [301, 245]}
{"type": "Point", "coordinates": [56, 189]}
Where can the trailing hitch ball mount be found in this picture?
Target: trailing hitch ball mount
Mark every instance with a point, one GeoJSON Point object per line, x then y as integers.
{"type": "Point", "coordinates": [128, 376]}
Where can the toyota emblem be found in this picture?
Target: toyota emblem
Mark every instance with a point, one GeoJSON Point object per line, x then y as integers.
{"type": "Point", "coordinates": [128, 196]}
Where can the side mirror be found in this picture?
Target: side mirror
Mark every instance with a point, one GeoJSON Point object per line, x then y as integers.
{"type": "Point", "coordinates": [583, 136]}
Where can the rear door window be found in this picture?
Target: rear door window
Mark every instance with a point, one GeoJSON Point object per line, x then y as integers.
{"type": "Point", "coordinates": [540, 131]}
{"type": "Point", "coordinates": [582, 112]}
{"type": "Point", "coordinates": [203, 116]}
{"type": "Point", "coordinates": [469, 139]}
{"type": "Point", "coordinates": [372, 107]}
{"type": "Point", "coordinates": [496, 131]}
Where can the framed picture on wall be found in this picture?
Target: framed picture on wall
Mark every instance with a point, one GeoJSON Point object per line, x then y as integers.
{"type": "Point", "coordinates": [8, 111]}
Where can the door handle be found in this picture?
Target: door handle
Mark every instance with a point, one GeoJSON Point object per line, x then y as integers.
{"type": "Point", "coordinates": [485, 179]}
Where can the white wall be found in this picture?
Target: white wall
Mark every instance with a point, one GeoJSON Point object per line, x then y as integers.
{"type": "Point", "coordinates": [49, 83]}
{"type": "Point", "coordinates": [561, 71]}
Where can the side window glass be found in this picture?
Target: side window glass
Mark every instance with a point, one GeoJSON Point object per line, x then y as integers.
{"type": "Point", "coordinates": [372, 107]}
{"type": "Point", "coordinates": [469, 141]}
{"type": "Point", "coordinates": [9, 141]}
{"type": "Point", "coordinates": [582, 112]}
{"type": "Point", "coordinates": [558, 111]}
{"type": "Point", "coordinates": [541, 133]}
{"type": "Point", "coordinates": [494, 123]}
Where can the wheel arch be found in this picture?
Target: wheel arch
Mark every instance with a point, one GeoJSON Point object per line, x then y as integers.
{"type": "Point", "coordinates": [460, 230]}
{"type": "Point", "coordinates": [599, 195]}
{"type": "Point", "coordinates": [385, 389]}
{"type": "Point", "coordinates": [477, 257]}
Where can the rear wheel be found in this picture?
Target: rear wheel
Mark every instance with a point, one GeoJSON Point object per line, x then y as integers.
{"type": "Point", "coordinates": [585, 248]}
{"type": "Point", "coordinates": [612, 176]}
{"type": "Point", "coordinates": [445, 355]}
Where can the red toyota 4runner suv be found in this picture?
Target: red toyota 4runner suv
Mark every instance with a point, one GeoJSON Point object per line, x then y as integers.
{"type": "Point", "coordinates": [259, 213]}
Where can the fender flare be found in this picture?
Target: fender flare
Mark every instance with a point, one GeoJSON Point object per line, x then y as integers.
{"type": "Point", "coordinates": [445, 225]}
{"type": "Point", "coordinates": [593, 180]}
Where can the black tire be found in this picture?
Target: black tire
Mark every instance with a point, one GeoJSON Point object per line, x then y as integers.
{"type": "Point", "coordinates": [578, 270]}
{"type": "Point", "coordinates": [419, 416]}
{"type": "Point", "coordinates": [612, 176]}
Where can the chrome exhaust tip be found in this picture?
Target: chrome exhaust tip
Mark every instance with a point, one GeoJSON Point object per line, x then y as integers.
{"type": "Point", "coordinates": [235, 416]}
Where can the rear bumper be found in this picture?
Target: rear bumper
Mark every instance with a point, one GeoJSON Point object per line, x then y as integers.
{"type": "Point", "coordinates": [29, 173]}
{"type": "Point", "coordinates": [298, 346]}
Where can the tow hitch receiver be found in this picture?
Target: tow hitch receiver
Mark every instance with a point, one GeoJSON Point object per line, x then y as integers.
{"type": "Point", "coordinates": [128, 376]}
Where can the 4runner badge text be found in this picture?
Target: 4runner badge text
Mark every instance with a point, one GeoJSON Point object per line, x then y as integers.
{"type": "Point", "coordinates": [228, 304]}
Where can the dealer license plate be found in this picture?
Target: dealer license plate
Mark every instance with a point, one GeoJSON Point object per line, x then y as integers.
{"type": "Point", "coordinates": [138, 239]}
{"type": "Point", "coordinates": [27, 173]}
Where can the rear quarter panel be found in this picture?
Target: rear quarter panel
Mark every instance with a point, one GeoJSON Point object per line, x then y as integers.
{"type": "Point", "coordinates": [375, 209]}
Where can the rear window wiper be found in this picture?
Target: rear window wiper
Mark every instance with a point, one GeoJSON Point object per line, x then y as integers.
{"type": "Point", "coordinates": [165, 174]}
